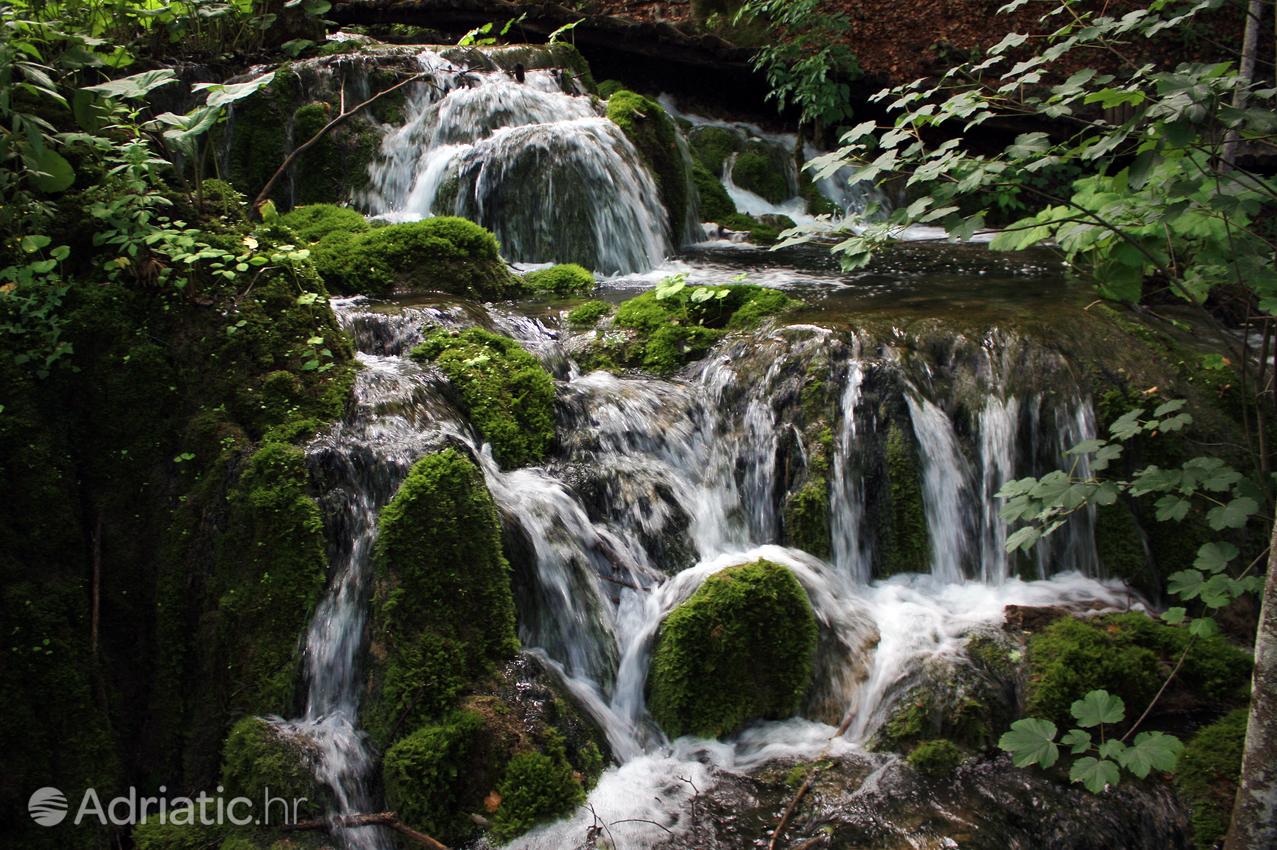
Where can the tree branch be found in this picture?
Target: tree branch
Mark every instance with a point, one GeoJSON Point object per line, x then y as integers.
{"type": "Point", "coordinates": [389, 820]}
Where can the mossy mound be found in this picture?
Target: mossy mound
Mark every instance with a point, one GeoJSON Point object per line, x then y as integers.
{"type": "Point", "coordinates": [935, 759]}
{"type": "Point", "coordinates": [762, 231]}
{"type": "Point", "coordinates": [740, 649]}
{"type": "Point", "coordinates": [314, 222]}
{"type": "Point", "coordinates": [653, 133]}
{"type": "Point", "coordinates": [441, 254]}
{"type": "Point", "coordinates": [904, 542]}
{"type": "Point", "coordinates": [761, 168]}
{"type": "Point", "coordinates": [260, 758]}
{"type": "Point", "coordinates": [1206, 779]}
{"type": "Point", "coordinates": [806, 516]}
{"type": "Point", "coordinates": [536, 788]}
{"type": "Point", "coordinates": [1129, 655]}
{"type": "Point", "coordinates": [507, 393]}
{"type": "Point", "coordinates": [663, 334]}
{"type": "Point", "coordinates": [563, 280]}
{"type": "Point", "coordinates": [716, 205]}
{"type": "Point", "coordinates": [427, 773]}
{"type": "Point", "coordinates": [443, 610]}
{"type": "Point", "coordinates": [587, 315]}
{"type": "Point", "coordinates": [713, 145]}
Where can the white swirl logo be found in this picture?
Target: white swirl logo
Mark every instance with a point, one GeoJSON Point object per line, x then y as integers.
{"type": "Point", "coordinates": [48, 807]}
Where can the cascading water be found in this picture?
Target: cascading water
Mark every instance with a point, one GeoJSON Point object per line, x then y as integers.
{"type": "Point", "coordinates": [539, 166]}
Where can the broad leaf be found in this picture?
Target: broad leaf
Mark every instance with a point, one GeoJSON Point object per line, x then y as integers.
{"type": "Point", "coordinates": [1098, 707]}
{"type": "Point", "coordinates": [1078, 740]}
{"type": "Point", "coordinates": [1095, 773]}
{"type": "Point", "coordinates": [1151, 751]}
{"type": "Point", "coordinates": [1031, 741]}
{"type": "Point", "coordinates": [136, 86]}
{"type": "Point", "coordinates": [1214, 557]}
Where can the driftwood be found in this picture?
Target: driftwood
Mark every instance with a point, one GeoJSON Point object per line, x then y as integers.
{"type": "Point", "coordinates": [390, 820]}
{"type": "Point", "coordinates": [789, 813]}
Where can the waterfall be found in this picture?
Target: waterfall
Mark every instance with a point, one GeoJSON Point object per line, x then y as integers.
{"type": "Point", "coordinates": [540, 167]}
{"type": "Point", "coordinates": [999, 421]}
{"type": "Point", "coordinates": [946, 488]}
{"type": "Point", "coordinates": [847, 490]}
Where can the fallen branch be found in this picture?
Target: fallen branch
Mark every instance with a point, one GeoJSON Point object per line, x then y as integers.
{"type": "Point", "coordinates": [342, 114]}
{"type": "Point", "coordinates": [390, 820]}
{"type": "Point", "coordinates": [789, 813]}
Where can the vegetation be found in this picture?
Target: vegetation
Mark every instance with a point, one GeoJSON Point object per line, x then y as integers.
{"type": "Point", "coordinates": [1207, 776]}
{"type": "Point", "coordinates": [654, 134]}
{"type": "Point", "coordinates": [935, 759]}
{"type": "Point", "coordinates": [536, 787]}
{"type": "Point", "coordinates": [507, 393]}
{"type": "Point", "coordinates": [587, 315]}
{"type": "Point", "coordinates": [740, 649]}
{"type": "Point", "coordinates": [562, 280]}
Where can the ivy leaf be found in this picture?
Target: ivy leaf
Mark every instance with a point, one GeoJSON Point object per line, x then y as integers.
{"type": "Point", "coordinates": [1078, 739]}
{"type": "Point", "coordinates": [1098, 707]}
{"type": "Point", "coordinates": [1186, 584]}
{"type": "Point", "coordinates": [1233, 515]}
{"type": "Point", "coordinates": [1095, 773]}
{"type": "Point", "coordinates": [1151, 751]}
{"type": "Point", "coordinates": [1214, 557]}
{"type": "Point", "coordinates": [1031, 741]}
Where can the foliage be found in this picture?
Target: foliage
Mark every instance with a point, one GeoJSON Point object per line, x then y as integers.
{"type": "Point", "coordinates": [807, 62]}
{"type": "Point", "coordinates": [740, 648]}
{"type": "Point", "coordinates": [536, 788]}
{"type": "Point", "coordinates": [424, 774]}
{"type": "Point", "coordinates": [313, 222]}
{"type": "Point", "coordinates": [561, 280]}
{"type": "Point", "coordinates": [260, 757]}
{"type": "Point", "coordinates": [1207, 776]}
{"type": "Point", "coordinates": [508, 394]}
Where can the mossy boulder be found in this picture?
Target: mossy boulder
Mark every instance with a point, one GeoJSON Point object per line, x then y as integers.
{"type": "Point", "coordinates": [314, 222]}
{"type": "Point", "coordinates": [442, 254]}
{"type": "Point", "coordinates": [762, 231]}
{"type": "Point", "coordinates": [763, 169]}
{"type": "Point", "coordinates": [536, 788]}
{"type": "Point", "coordinates": [1207, 775]}
{"type": "Point", "coordinates": [1130, 655]}
{"type": "Point", "coordinates": [741, 648]}
{"type": "Point", "coordinates": [904, 541]}
{"type": "Point", "coordinates": [443, 610]}
{"type": "Point", "coordinates": [806, 518]}
{"type": "Point", "coordinates": [587, 315]}
{"type": "Point", "coordinates": [260, 758]}
{"type": "Point", "coordinates": [715, 204]}
{"type": "Point", "coordinates": [661, 335]}
{"type": "Point", "coordinates": [936, 758]}
{"type": "Point", "coordinates": [712, 146]}
{"type": "Point", "coordinates": [507, 393]}
{"type": "Point", "coordinates": [563, 280]}
{"type": "Point", "coordinates": [653, 133]}
{"type": "Point", "coordinates": [428, 774]}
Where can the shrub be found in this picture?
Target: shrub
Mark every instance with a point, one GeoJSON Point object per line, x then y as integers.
{"type": "Point", "coordinates": [508, 394]}
{"type": "Point", "coordinates": [740, 649]}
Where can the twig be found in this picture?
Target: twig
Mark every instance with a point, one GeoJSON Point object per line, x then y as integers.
{"type": "Point", "coordinates": [789, 813]}
{"type": "Point", "coordinates": [386, 819]}
{"type": "Point", "coordinates": [342, 115]}
{"type": "Point", "coordinates": [1162, 689]}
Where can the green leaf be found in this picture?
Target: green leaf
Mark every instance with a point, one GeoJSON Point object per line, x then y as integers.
{"type": "Point", "coordinates": [1214, 557]}
{"type": "Point", "coordinates": [1151, 751]}
{"type": "Point", "coordinates": [1111, 749]}
{"type": "Point", "coordinates": [1233, 515]}
{"type": "Point", "coordinates": [1203, 627]}
{"type": "Point", "coordinates": [1097, 708]}
{"type": "Point", "coordinates": [224, 94]}
{"type": "Point", "coordinates": [1078, 739]}
{"type": "Point", "coordinates": [1023, 539]}
{"type": "Point", "coordinates": [1174, 616]}
{"type": "Point", "coordinates": [55, 173]}
{"type": "Point", "coordinates": [1186, 584]}
{"type": "Point", "coordinates": [136, 86]}
{"type": "Point", "coordinates": [1031, 741]}
{"type": "Point", "coordinates": [1095, 773]}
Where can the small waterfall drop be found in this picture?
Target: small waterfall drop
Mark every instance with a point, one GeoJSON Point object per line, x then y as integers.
{"type": "Point", "coordinates": [540, 167]}
{"type": "Point", "coordinates": [847, 490]}
{"type": "Point", "coordinates": [945, 487]}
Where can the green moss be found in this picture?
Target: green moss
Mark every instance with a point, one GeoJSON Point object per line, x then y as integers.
{"type": "Point", "coordinates": [314, 222]}
{"type": "Point", "coordinates": [440, 254]}
{"type": "Point", "coordinates": [443, 611]}
{"type": "Point", "coordinates": [566, 279]}
{"type": "Point", "coordinates": [904, 542]}
{"type": "Point", "coordinates": [935, 759]}
{"type": "Point", "coordinates": [426, 775]}
{"type": "Point", "coordinates": [607, 88]}
{"type": "Point", "coordinates": [1120, 546]}
{"type": "Point", "coordinates": [761, 169]}
{"type": "Point", "coordinates": [666, 334]}
{"type": "Point", "coordinates": [587, 315]}
{"type": "Point", "coordinates": [740, 649]}
{"type": "Point", "coordinates": [712, 146]}
{"type": "Point", "coordinates": [817, 203]}
{"type": "Point", "coordinates": [806, 517]}
{"type": "Point", "coordinates": [536, 788]}
{"type": "Point", "coordinates": [508, 394]}
{"type": "Point", "coordinates": [716, 204]}
{"type": "Point", "coordinates": [1128, 655]}
{"type": "Point", "coordinates": [765, 231]}
{"type": "Point", "coordinates": [1206, 778]}
{"type": "Point", "coordinates": [650, 129]}
{"type": "Point", "coordinates": [259, 758]}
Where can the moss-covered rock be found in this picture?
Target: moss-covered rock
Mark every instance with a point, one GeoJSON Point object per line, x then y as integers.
{"type": "Point", "coordinates": [713, 145]}
{"type": "Point", "coordinates": [260, 757]}
{"type": "Point", "coordinates": [763, 169]}
{"type": "Point", "coordinates": [314, 222]}
{"type": "Point", "coordinates": [740, 649]}
{"type": "Point", "coordinates": [562, 280]}
{"type": "Point", "coordinates": [936, 758]}
{"type": "Point", "coordinates": [443, 610]}
{"type": "Point", "coordinates": [1206, 778]}
{"type": "Point", "coordinates": [651, 130]}
{"type": "Point", "coordinates": [507, 393]}
{"type": "Point", "coordinates": [762, 231]}
{"type": "Point", "coordinates": [715, 204]}
{"type": "Point", "coordinates": [663, 334]}
{"type": "Point", "coordinates": [806, 518]}
{"type": "Point", "coordinates": [536, 787]}
{"type": "Point", "coordinates": [1129, 655]}
{"type": "Point", "coordinates": [427, 775]}
{"type": "Point", "coordinates": [437, 254]}
{"type": "Point", "coordinates": [904, 542]}
{"type": "Point", "coordinates": [587, 315]}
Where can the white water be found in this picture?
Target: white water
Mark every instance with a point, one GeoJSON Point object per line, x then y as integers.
{"type": "Point", "coordinates": [541, 168]}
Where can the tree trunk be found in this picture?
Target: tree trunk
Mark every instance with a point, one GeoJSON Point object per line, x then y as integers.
{"type": "Point", "coordinates": [1250, 52]}
{"type": "Point", "coordinates": [1254, 823]}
